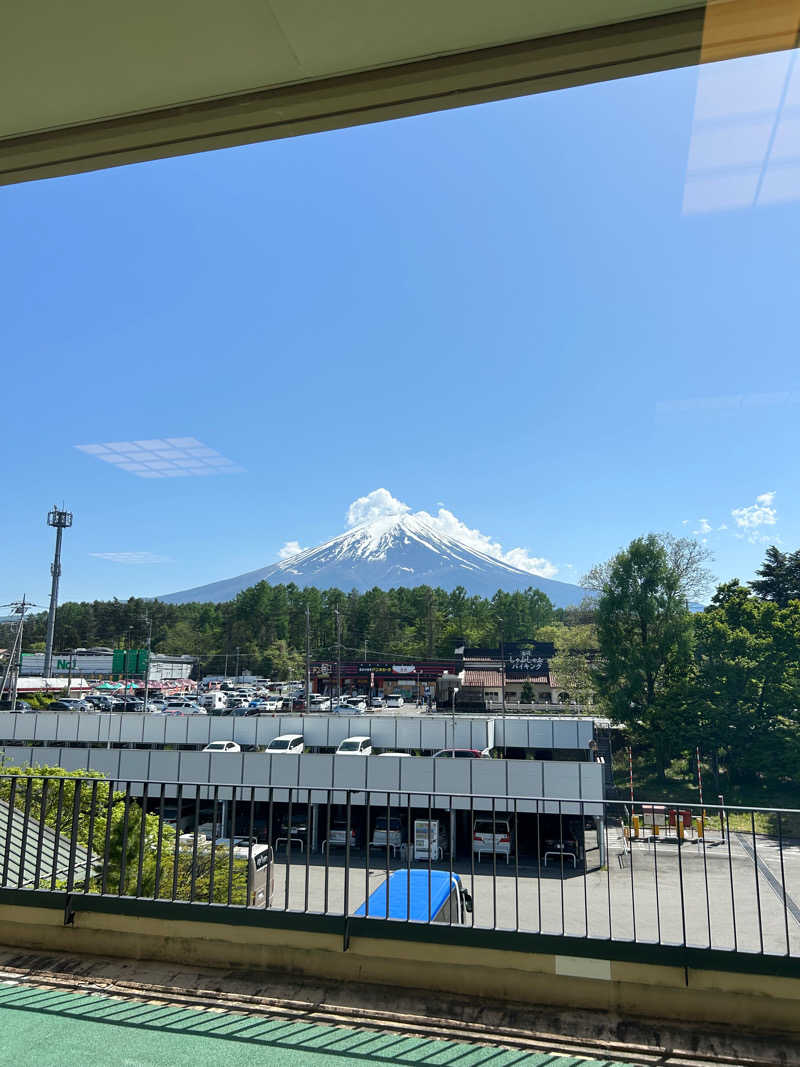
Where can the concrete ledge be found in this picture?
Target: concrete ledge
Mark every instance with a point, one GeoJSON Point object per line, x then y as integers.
{"type": "Point", "coordinates": [754, 1001]}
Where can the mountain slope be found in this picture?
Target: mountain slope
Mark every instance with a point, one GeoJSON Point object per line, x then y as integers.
{"type": "Point", "coordinates": [401, 550]}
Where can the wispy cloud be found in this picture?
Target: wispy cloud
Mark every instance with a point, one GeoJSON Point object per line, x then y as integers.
{"type": "Point", "coordinates": [131, 557]}
{"type": "Point", "coordinates": [732, 402]}
{"type": "Point", "coordinates": [168, 457]}
{"type": "Point", "coordinates": [703, 527]}
{"type": "Point", "coordinates": [381, 504]}
{"type": "Point", "coordinates": [291, 548]}
{"type": "Point", "coordinates": [751, 518]}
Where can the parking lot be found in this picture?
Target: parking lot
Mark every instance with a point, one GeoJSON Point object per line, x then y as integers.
{"type": "Point", "coordinates": [713, 895]}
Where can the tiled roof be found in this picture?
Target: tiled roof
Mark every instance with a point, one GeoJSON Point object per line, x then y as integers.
{"type": "Point", "coordinates": [492, 678]}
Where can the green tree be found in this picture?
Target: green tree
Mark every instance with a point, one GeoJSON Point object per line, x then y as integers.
{"type": "Point", "coordinates": [527, 694]}
{"type": "Point", "coordinates": [644, 632]}
{"type": "Point", "coordinates": [779, 577]}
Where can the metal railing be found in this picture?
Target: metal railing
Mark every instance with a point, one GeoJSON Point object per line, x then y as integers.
{"type": "Point", "coordinates": [722, 878]}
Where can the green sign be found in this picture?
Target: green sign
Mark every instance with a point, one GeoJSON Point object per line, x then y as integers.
{"type": "Point", "coordinates": [129, 661]}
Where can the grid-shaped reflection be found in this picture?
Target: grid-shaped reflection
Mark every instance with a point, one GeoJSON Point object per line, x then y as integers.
{"type": "Point", "coordinates": [168, 457]}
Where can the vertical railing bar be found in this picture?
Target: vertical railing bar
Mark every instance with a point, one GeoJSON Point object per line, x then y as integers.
{"type": "Point", "coordinates": [388, 832]}
{"type": "Point", "coordinates": [539, 864]}
{"type": "Point", "coordinates": [270, 819]}
{"type": "Point", "coordinates": [123, 873]}
{"type": "Point", "coordinates": [585, 871]}
{"type": "Point", "coordinates": [177, 855]}
{"type": "Point", "coordinates": [232, 845]}
{"type": "Point", "coordinates": [288, 875]}
{"type": "Point", "coordinates": [327, 848]}
{"type": "Point", "coordinates": [40, 836]}
{"type": "Point", "coordinates": [9, 829]}
{"type": "Point", "coordinates": [23, 849]}
{"type": "Point", "coordinates": [516, 867]}
{"type": "Point", "coordinates": [561, 845]}
{"type": "Point", "coordinates": [408, 860]}
{"type": "Point", "coordinates": [366, 862]}
{"type": "Point", "coordinates": [758, 887]}
{"type": "Point", "coordinates": [308, 849]}
{"type": "Point", "coordinates": [77, 790]}
{"type": "Point", "coordinates": [347, 857]}
{"type": "Point", "coordinates": [107, 837]}
{"type": "Point", "coordinates": [680, 876]}
{"type": "Point", "coordinates": [494, 858]}
{"type": "Point", "coordinates": [159, 843]}
{"type": "Point", "coordinates": [142, 835]}
{"type": "Point", "coordinates": [608, 866]}
{"type": "Point", "coordinates": [430, 852]}
{"type": "Point", "coordinates": [90, 836]}
{"type": "Point", "coordinates": [451, 851]}
{"type": "Point", "coordinates": [249, 882]}
{"type": "Point", "coordinates": [705, 873]}
{"type": "Point", "coordinates": [730, 872]}
{"type": "Point", "coordinates": [783, 886]}
{"type": "Point", "coordinates": [213, 864]}
{"type": "Point", "coordinates": [57, 838]}
{"type": "Point", "coordinates": [195, 839]}
{"type": "Point", "coordinates": [655, 874]}
{"type": "Point", "coordinates": [633, 881]}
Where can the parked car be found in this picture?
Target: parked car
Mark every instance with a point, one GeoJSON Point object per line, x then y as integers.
{"type": "Point", "coordinates": [298, 826]}
{"type": "Point", "coordinates": [355, 746]}
{"type": "Point", "coordinates": [394, 700]}
{"type": "Point", "coordinates": [69, 704]}
{"type": "Point", "coordinates": [346, 709]}
{"type": "Point", "coordinates": [358, 704]}
{"type": "Point", "coordinates": [286, 745]}
{"type": "Point", "coordinates": [395, 836]}
{"type": "Point", "coordinates": [377, 702]}
{"type": "Point", "coordinates": [338, 836]}
{"type": "Point", "coordinates": [222, 746]}
{"type": "Point", "coordinates": [405, 754]}
{"type": "Point", "coordinates": [21, 706]}
{"type": "Point", "coordinates": [462, 753]}
{"type": "Point", "coordinates": [492, 836]}
{"type": "Point", "coordinates": [183, 707]}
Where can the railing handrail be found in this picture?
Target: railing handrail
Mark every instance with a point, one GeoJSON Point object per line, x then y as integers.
{"type": "Point", "coordinates": [411, 791]}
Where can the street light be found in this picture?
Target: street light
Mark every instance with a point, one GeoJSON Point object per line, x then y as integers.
{"type": "Point", "coordinates": [453, 713]}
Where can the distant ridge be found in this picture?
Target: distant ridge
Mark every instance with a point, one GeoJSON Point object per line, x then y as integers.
{"type": "Point", "coordinates": [399, 550]}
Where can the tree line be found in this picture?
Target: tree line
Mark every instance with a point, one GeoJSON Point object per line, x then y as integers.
{"type": "Point", "coordinates": [265, 625]}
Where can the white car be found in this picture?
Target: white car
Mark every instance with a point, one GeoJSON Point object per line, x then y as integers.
{"type": "Point", "coordinates": [394, 701]}
{"type": "Point", "coordinates": [405, 754]}
{"type": "Point", "coordinates": [355, 746]}
{"type": "Point", "coordinates": [491, 836]}
{"type": "Point", "coordinates": [286, 745]}
{"type": "Point", "coordinates": [183, 707]}
{"type": "Point", "coordinates": [222, 746]}
{"type": "Point", "coordinates": [358, 704]}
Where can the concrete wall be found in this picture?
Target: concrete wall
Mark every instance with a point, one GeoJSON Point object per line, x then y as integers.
{"type": "Point", "coordinates": [420, 776]}
{"type": "Point", "coordinates": [420, 732]}
{"type": "Point", "coordinates": [449, 961]}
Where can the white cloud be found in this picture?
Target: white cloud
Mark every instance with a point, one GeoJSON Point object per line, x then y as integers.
{"type": "Point", "coordinates": [703, 527]}
{"type": "Point", "coordinates": [375, 505]}
{"type": "Point", "coordinates": [381, 504]}
{"type": "Point", "coordinates": [751, 518]}
{"type": "Point", "coordinates": [291, 548]}
{"type": "Point", "coordinates": [131, 557]}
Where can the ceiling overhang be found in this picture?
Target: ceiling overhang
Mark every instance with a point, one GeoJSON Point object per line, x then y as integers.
{"type": "Point", "coordinates": [122, 96]}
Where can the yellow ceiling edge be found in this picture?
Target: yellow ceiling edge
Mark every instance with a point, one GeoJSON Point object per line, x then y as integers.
{"type": "Point", "coordinates": [541, 65]}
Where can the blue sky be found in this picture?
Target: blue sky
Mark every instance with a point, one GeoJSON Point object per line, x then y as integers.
{"type": "Point", "coordinates": [514, 312]}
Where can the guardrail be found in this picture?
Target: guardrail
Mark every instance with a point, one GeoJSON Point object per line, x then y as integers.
{"type": "Point", "coordinates": [673, 875]}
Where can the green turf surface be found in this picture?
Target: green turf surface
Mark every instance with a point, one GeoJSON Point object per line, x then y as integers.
{"type": "Point", "coordinates": [51, 1028]}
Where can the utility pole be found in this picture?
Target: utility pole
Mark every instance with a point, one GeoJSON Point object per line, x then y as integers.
{"type": "Point", "coordinates": [60, 520]}
{"type": "Point", "coordinates": [11, 677]}
{"type": "Point", "coordinates": [308, 658]}
{"type": "Point", "coordinates": [503, 679]}
{"type": "Point", "coordinates": [338, 654]}
{"type": "Point", "coordinates": [149, 622]}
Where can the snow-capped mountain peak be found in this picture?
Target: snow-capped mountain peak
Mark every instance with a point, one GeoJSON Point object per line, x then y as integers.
{"type": "Point", "coordinates": [392, 550]}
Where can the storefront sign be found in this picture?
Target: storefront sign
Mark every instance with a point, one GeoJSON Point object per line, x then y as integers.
{"type": "Point", "coordinates": [404, 669]}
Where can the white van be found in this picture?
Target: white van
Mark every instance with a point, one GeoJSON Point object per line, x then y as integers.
{"type": "Point", "coordinates": [355, 746]}
{"type": "Point", "coordinates": [215, 700]}
{"type": "Point", "coordinates": [286, 745]}
{"type": "Point", "coordinates": [394, 700]}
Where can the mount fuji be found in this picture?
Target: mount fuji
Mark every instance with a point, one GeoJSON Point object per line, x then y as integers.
{"type": "Point", "coordinates": [394, 550]}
